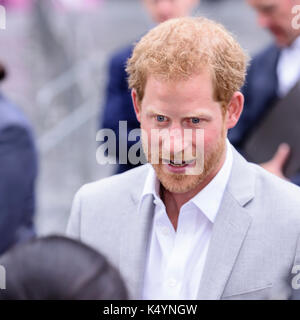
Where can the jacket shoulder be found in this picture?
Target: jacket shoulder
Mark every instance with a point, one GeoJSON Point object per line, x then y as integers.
{"type": "Point", "coordinates": [279, 197]}
{"type": "Point", "coordinates": [266, 56]}
{"type": "Point", "coordinates": [120, 57]}
{"type": "Point", "coordinates": [11, 115]}
{"type": "Point", "coordinates": [117, 188]}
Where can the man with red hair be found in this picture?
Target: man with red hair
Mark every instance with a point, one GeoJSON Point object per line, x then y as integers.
{"type": "Point", "coordinates": [198, 221]}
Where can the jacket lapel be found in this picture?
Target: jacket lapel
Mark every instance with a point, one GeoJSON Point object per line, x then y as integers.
{"type": "Point", "coordinates": [134, 241]}
{"type": "Point", "coordinates": [229, 230]}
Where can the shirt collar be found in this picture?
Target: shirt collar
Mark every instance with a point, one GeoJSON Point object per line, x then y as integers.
{"type": "Point", "coordinates": [152, 185]}
{"type": "Point", "coordinates": [208, 200]}
{"type": "Point", "coordinates": [295, 45]}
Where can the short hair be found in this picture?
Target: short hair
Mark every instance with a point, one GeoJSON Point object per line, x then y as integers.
{"type": "Point", "coordinates": [59, 268]}
{"type": "Point", "coordinates": [182, 47]}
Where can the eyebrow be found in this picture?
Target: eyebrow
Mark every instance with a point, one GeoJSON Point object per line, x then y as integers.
{"type": "Point", "coordinates": [152, 111]}
{"type": "Point", "coordinates": [197, 115]}
{"type": "Point", "coordinates": [187, 115]}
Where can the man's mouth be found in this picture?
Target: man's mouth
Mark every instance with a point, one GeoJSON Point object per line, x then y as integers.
{"type": "Point", "coordinates": [177, 164]}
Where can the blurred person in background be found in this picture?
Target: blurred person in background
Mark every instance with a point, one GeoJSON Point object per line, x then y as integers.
{"type": "Point", "coordinates": [18, 172]}
{"type": "Point", "coordinates": [58, 268]}
{"type": "Point", "coordinates": [118, 104]}
{"type": "Point", "coordinates": [272, 74]}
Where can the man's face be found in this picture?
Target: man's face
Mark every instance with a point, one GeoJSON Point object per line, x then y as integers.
{"type": "Point", "coordinates": [174, 106]}
{"type": "Point", "coordinates": [162, 10]}
{"type": "Point", "coordinates": [276, 16]}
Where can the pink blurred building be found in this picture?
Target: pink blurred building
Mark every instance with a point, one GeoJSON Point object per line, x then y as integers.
{"type": "Point", "coordinates": [59, 4]}
{"type": "Point", "coordinates": [16, 4]}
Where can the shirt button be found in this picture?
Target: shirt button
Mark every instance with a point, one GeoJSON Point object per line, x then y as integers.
{"type": "Point", "coordinates": [172, 283]}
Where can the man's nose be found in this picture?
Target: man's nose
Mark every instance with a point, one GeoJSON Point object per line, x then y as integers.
{"type": "Point", "coordinates": [175, 141]}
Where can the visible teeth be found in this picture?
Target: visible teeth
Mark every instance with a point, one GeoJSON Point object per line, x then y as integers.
{"type": "Point", "coordinates": [177, 164]}
{"type": "Point", "coordinates": [184, 163]}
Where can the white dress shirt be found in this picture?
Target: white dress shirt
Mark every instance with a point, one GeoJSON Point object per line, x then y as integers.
{"type": "Point", "coordinates": [176, 258]}
{"type": "Point", "coordinates": [288, 68]}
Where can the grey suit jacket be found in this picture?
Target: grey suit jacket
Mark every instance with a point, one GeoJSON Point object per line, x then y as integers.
{"type": "Point", "coordinates": [254, 242]}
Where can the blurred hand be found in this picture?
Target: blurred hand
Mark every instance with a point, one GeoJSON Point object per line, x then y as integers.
{"type": "Point", "coordinates": [276, 164]}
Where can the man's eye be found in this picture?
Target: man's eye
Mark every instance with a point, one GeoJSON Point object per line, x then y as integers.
{"type": "Point", "coordinates": [195, 120]}
{"type": "Point", "coordinates": [160, 118]}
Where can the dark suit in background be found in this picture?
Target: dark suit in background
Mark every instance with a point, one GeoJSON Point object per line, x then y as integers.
{"type": "Point", "coordinates": [260, 91]}
{"type": "Point", "coordinates": [118, 104]}
{"type": "Point", "coordinates": [18, 171]}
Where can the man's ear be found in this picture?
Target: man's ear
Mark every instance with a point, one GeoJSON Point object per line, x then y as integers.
{"type": "Point", "coordinates": [136, 105]}
{"type": "Point", "coordinates": [234, 109]}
